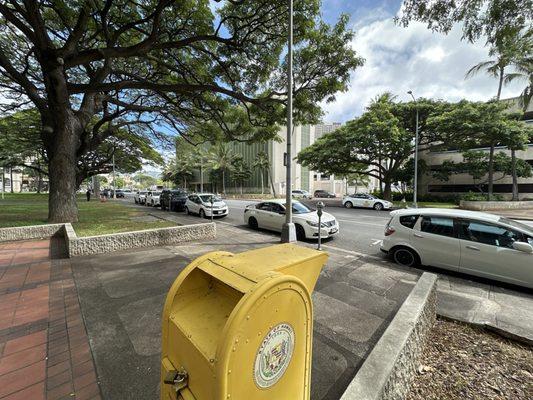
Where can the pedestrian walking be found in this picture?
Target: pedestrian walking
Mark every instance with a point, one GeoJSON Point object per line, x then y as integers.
{"type": "Point", "coordinates": [88, 194]}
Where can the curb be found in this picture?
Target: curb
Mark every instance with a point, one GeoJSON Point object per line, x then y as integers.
{"type": "Point", "coordinates": [388, 370]}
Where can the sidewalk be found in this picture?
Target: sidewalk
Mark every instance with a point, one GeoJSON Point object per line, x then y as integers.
{"type": "Point", "coordinates": [44, 348]}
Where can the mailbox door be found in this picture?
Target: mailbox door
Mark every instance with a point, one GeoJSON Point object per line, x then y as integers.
{"type": "Point", "coordinates": [269, 348]}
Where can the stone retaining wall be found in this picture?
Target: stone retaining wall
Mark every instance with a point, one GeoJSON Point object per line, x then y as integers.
{"type": "Point", "coordinates": [78, 246]}
{"type": "Point", "coordinates": [387, 372]}
{"type": "Point", "coordinates": [30, 232]}
{"type": "Point", "coordinates": [495, 205]}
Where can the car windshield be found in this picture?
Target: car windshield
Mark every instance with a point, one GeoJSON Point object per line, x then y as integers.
{"type": "Point", "coordinates": [516, 224]}
{"type": "Point", "coordinates": [299, 208]}
{"type": "Point", "coordinates": [206, 198]}
{"type": "Point", "coordinates": [156, 193]}
{"type": "Point", "coordinates": [142, 192]}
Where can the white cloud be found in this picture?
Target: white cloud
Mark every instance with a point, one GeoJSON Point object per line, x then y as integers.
{"type": "Point", "coordinates": [414, 58]}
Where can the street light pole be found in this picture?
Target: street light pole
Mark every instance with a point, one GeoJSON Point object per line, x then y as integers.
{"type": "Point", "coordinates": [415, 190]}
{"type": "Point", "coordinates": [114, 180]}
{"type": "Point", "coordinates": [288, 232]}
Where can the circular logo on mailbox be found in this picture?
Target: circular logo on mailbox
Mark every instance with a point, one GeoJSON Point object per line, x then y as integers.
{"type": "Point", "coordinates": [274, 355]}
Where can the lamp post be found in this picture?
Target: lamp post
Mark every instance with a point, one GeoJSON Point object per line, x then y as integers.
{"type": "Point", "coordinates": [114, 180]}
{"type": "Point", "coordinates": [288, 232]}
{"type": "Point", "coordinates": [415, 190]}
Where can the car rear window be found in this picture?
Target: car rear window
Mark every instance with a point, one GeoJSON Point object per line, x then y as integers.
{"type": "Point", "coordinates": [408, 221]}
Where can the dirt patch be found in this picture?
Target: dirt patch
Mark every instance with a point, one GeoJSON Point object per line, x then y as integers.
{"type": "Point", "coordinates": [465, 362]}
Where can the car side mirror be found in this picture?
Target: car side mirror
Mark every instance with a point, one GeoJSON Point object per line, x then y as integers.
{"type": "Point", "coordinates": [522, 246]}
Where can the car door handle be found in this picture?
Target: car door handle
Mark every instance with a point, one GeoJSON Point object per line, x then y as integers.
{"type": "Point", "coordinates": [417, 235]}
{"type": "Point", "coordinates": [472, 248]}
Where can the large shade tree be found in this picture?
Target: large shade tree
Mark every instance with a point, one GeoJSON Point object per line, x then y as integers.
{"type": "Point", "coordinates": [377, 144]}
{"type": "Point", "coordinates": [92, 68]}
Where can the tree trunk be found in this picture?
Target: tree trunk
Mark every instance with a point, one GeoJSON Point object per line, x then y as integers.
{"type": "Point", "coordinates": [262, 182]}
{"type": "Point", "coordinates": [387, 191]}
{"type": "Point", "coordinates": [62, 206]}
{"type": "Point", "coordinates": [11, 179]}
{"type": "Point", "coordinates": [515, 178]}
{"type": "Point", "coordinates": [223, 182]}
{"type": "Point", "coordinates": [271, 182]}
{"type": "Point", "coordinates": [491, 170]}
{"type": "Point", "coordinates": [500, 83]}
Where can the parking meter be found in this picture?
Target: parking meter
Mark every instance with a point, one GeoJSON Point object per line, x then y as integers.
{"type": "Point", "coordinates": [240, 326]}
{"type": "Point", "coordinates": [319, 207]}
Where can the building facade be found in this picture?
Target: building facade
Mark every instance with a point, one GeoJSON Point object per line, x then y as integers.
{"type": "Point", "coordinates": [458, 184]}
{"type": "Point", "coordinates": [275, 179]}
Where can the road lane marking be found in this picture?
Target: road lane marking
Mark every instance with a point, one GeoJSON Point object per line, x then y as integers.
{"type": "Point", "coordinates": [360, 223]}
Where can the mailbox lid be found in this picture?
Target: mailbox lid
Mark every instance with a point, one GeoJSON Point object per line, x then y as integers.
{"type": "Point", "coordinates": [289, 259]}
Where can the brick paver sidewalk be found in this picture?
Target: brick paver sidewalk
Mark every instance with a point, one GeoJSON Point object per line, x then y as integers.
{"type": "Point", "coordinates": [44, 349]}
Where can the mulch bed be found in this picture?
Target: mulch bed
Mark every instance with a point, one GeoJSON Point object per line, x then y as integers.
{"type": "Point", "coordinates": [465, 362]}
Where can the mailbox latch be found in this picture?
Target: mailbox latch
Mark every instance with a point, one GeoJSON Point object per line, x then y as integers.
{"type": "Point", "coordinates": [178, 379]}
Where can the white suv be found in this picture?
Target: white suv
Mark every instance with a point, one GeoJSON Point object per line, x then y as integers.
{"type": "Point", "coordinates": [472, 242]}
{"type": "Point", "coordinates": [201, 204]}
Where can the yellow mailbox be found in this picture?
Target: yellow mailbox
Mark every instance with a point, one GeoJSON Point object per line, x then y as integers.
{"type": "Point", "coordinates": [239, 326]}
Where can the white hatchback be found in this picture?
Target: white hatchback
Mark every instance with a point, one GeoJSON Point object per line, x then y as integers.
{"type": "Point", "coordinates": [271, 215]}
{"type": "Point", "coordinates": [201, 204]}
{"type": "Point", "coordinates": [471, 242]}
{"type": "Point", "coordinates": [366, 201]}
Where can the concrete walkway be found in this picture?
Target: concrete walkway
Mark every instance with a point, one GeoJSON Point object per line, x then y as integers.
{"type": "Point", "coordinates": [122, 296]}
{"type": "Point", "coordinates": [44, 348]}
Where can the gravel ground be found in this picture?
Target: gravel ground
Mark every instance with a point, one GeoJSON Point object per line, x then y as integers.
{"type": "Point", "coordinates": [465, 362]}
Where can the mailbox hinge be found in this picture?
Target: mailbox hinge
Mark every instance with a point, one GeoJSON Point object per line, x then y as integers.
{"type": "Point", "coordinates": [178, 379]}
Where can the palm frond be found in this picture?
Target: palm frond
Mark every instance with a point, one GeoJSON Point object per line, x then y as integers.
{"type": "Point", "coordinates": [484, 65]}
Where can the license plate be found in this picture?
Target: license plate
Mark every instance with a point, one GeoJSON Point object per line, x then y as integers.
{"type": "Point", "coordinates": [334, 230]}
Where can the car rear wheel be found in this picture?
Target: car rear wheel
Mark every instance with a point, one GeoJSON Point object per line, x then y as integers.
{"type": "Point", "coordinates": [252, 223]}
{"type": "Point", "coordinates": [186, 209]}
{"type": "Point", "coordinates": [378, 206]}
{"type": "Point", "coordinates": [405, 257]}
{"type": "Point", "coordinates": [202, 213]}
{"type": "Point", "coordinates": [135, 200]}
{"type": "Point", "coordinates": [348, 204]}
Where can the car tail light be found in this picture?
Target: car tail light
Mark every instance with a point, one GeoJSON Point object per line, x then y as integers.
{"type": "Point", "coordinates": [389, 230]}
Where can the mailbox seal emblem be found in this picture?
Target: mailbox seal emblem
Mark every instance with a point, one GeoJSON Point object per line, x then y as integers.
{"type": "Point", "coordinates": [274, 355]}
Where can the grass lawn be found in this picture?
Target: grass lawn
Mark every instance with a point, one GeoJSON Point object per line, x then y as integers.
{"type": "Point", "coordinates": [95, 218]}
{"type": "Point", "coordinates": [427, 204]}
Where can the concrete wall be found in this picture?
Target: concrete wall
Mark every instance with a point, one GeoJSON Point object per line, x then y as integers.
{"type": "Point", "coordinates": [30, 232]}
{"type": "Point", "coordinates": [78, 246]}
{"type": "Point", "coordinates": [495, 205]}
{"type": "Point", "coordinates": [387, 372]}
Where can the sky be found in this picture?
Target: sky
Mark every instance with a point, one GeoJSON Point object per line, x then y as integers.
{"type": "Point", "coordinates": [399, 59]}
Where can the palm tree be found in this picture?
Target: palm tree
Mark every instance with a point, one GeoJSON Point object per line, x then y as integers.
{"type": "Point", "coordinates": [262, 163]}
{"type": "Point", "coordinates": [523, 71]}
{"type": "Point", "coordinates": [507, 51]}
{"type": "Point", "coordinates": [221, 158]}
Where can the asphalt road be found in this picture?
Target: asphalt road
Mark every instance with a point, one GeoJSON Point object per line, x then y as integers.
{"type": "Point", "coordinates": [360, 229]}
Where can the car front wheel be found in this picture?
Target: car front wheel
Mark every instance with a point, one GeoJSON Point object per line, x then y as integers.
{"type": "Point", "coordinates": [348, 204]}
{"type": "Point", "coordinates": [405, 257]}
{"type": "Point", "coordinates": [252, 223]}
{"type": "Point", "coordinates": [300, 233]}
{"type": "Point", "coordinates": [378, 206]}
{"type": "Point", "coordinates": [186, 209]}
{"type": "Point", "coordinates": [202, 213]}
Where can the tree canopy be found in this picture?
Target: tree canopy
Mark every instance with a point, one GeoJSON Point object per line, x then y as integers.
{"type": "Point", "coordinates": [91, 68]}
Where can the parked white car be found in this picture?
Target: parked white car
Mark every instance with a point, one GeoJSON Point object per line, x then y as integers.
{"type": "Point", "coordinates": [152, 198]}
{"type": "Point", "coordinates": [271, 215]}
{"type": "Point", "coordinates": [140, 197]}
{"type": "Point", "coordinates": [476, 243]}
{"type": "Point", "coordinates": [201, 204]}
{"type": "Point", "coordinates": [301, 194]}
{"type": "Point", "coordinates": [366, 201]}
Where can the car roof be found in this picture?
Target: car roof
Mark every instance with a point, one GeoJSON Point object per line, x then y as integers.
{"type": "Point", "coordinates": [278, 201]}
{"type": "Point", "coordinates": [449, 212]}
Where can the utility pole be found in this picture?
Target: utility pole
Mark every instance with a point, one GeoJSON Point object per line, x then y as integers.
{"type": "Point", "coordinates": [415, 189]}
{"type": "Point", "coordinates": [114, 180]}
{"type": "Point", "coordinates": [288, 232]}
